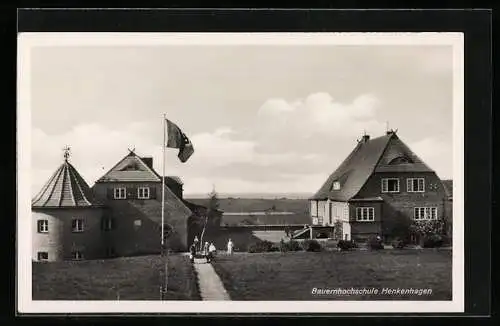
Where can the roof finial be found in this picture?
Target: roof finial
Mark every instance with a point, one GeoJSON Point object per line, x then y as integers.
{"type": "Point", "coordinates": [387, 126]}
{"type": "Point", "coordinates": [66, 153]}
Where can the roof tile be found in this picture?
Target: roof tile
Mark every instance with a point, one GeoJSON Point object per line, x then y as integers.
{"type": "Point", "coordinates": [66, 188]}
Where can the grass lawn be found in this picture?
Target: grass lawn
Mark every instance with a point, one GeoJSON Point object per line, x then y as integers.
{"type": "Point", "coordinates": [131, 278]}
{"type": "Point", "coordinates": [293, 275]}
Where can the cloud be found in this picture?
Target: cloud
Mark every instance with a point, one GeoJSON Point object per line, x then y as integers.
{"type": "Point", "coordinates": [314, 124]}
{"type": "Point", "coordinates": [94, 149]}
{"type": "Point", "coordinates": [436, 153]}
{"type": "Point", "coordinates": [291, 145]}
{"type": "Point", "coordinates": [319, 113]}
{"type": "Point", "coordinates": [218, 149]}
{"type": "Point", "coordinates": [287, 141]}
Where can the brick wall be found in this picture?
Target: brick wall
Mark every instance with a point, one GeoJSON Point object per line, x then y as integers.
{"type": "Point", "coordinates": [400, 205]}
{"type": "Point", "coordinates": [127, 238]}
{"type": "Point", "coordinates": [404, 201]}
{"type": "Point", "coordinates": [366, 228]}
{"type": "Point", "coordinates": [60, 241]}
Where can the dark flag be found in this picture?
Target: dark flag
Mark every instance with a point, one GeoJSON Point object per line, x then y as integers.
{"type": "Point", "coordinates": [177, 139]}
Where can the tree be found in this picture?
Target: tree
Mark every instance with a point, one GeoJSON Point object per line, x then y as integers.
{"type": "Point", "coordinates": [423, 229]}
{"type": "Point", "coordinates": [212, 212]}
{"type": "Point", "coordinates": [338, 230]}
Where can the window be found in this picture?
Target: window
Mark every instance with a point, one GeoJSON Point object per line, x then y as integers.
{"type": "Point", "coordinates": [77, 255]}
{"type": "Point", "coordinates": [401, 160]}
{"type": "Point", "coordinates": [137, 223]}
{"type": "Point", "coordinates": [77, 225]}
{"type": "Point", "coordinates": [390, 185]}
{"type": "Point", "coordinates": [143, 193]}
{"type": "Point", "coordinates": [43, 226]}
{"type": "Point", "coordinates": [120, 193]}
{"type": "Point", "coordinates": [425, 213]}
{"type": "Point", "coordinates": [415, 184]}
{"type": "Point", "coordinates": [336, 185]}
{"type": "Point", "coordinates": [107, 224]}
{"type": "Point", "coordinates": [365, 214]}
{"type": "Point", "coordinates": [320, 219]}
{"type": "Point", "coordinates": [42, 255]}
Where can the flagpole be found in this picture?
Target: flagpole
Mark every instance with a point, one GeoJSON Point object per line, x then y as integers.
{"type": "Point", "coordinates": [163, 288]}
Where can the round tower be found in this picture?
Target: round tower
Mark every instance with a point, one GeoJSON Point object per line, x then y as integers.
{"type": "Point", "coordinates": [66, 223]}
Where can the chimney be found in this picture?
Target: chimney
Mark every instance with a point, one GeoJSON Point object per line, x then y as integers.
{"type": "Point", "coordinates": [148, 161]}
{"type": "Point", "coordinates": [366, 138]}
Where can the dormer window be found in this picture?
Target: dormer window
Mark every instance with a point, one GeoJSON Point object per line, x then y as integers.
{"type": "Point", "coordinates": [132, 166]}
{"type": "Point", "coordinates": [400, 160]}
{"type": "Point", "coordinates": [336, 185]}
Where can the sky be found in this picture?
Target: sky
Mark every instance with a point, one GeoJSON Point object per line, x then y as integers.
{"type": "Point", "coordinates": [262, 118]}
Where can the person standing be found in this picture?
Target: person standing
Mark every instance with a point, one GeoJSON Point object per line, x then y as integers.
{"type": "Point", "coordinates": [230, 246]}
{"type": "Point", "coordinates": [192, 252]}
{"type": "Point", "coordinates": [196, 242]}
{"type": "Point", "coordinates": [205, 249]}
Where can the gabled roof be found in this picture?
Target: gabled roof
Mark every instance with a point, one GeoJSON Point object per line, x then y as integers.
{"type": "Point", "coordinates": [170, 179]}
{"type": "Point", "coordinates": [66, 188]}
{"type": "Point", "coordinates": [130, 168]}
{"type": "Point", "coordinates": [382, 154]}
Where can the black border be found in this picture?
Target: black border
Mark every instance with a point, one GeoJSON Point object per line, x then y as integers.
{"type": "Point", "coordinates": [475, 24]}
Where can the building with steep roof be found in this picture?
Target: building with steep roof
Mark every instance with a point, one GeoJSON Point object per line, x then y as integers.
{"type": "Point", "coordinates": [381, 181]}
{"type": "Point", "coordinates": [119, 216]}
{"type": "Point", "coordinates": [66, 219]}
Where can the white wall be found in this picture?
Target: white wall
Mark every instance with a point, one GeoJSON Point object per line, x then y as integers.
{"type": "Point", "coordinates": [330, 209]}
{"type": "Point", "coordinates": [346, 231]}
{"type": "Point", "coordinates": [322, 210]}
{"type": "Point", "coordinates": [313, 207]}
{"type": "Point", "coordinates": [339, 211]}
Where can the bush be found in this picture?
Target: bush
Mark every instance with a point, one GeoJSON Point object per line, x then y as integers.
{"type": "Point", "coordinates": [291, 245]}
{"type": "Point", "coordinates": [433, 241]}
{"type": "Point", "coordinates": [346, 245]}
{"type": "Point", "coordinates": [399, 244]}
{"type": "Point", "coordinates": [261, 246]}
{"type": "Point", "coordinates": [311, 245]}
{"type": "Point", "coordinates": [375, 244]}
{"type": "Point", "coordinates": [447, 241]}
{"type": "Point", "coordinates": [275, 248]}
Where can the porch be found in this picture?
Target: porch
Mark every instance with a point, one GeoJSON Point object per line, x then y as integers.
{"type": "Point", "coordinates": [314, 232]}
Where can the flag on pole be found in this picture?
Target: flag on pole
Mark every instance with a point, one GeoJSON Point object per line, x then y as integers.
{"type": "Point", "coordinates": [177, 139]}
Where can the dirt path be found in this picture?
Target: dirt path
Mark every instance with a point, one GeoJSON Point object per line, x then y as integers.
{"type": "Point", "coordinates": [211, 287]}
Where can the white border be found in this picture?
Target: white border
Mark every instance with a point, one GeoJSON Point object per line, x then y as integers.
{"type": "Point", "coordinates": [26, 41]}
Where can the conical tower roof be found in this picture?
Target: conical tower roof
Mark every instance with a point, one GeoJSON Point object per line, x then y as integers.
{"type": "Point", "coordinates": [66, 188]}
